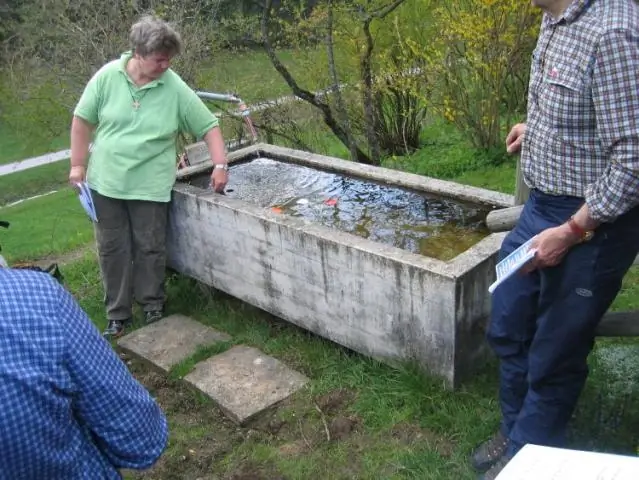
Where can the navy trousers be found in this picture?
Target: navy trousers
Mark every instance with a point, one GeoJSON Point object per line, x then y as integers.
{"type": "Point", "coordinates": [543, 324]}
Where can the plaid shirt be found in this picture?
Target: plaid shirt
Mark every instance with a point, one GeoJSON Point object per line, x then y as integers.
{"type": "Point", "coordinates": [70, 408]}
{"type": "Point", "coordinates": [582, 136]}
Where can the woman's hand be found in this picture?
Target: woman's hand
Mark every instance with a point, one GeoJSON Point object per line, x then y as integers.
{"type": "Point", "coordinates": [77, 175]}
{"type": "Point", "coordinates": [219, 179]}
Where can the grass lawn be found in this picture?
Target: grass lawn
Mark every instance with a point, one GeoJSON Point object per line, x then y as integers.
{"type": "Point", "coordinates": [15, 147]}
{"type": "Point", "coordinates": [249, 74]}
{"type": "Point", "coordinates": [382, 422]}
{"type": "Point", "coordinates": [46, 227]}
{"type": "Point", "coordinates": [34, 181]}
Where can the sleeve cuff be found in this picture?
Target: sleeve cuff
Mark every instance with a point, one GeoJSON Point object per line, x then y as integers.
{"type": "Point", "coordinates": [600, 208]}
{"type": "Point", "coordinates": [209, 126]}
{"type": "Point", "coordinates": [85, 116]}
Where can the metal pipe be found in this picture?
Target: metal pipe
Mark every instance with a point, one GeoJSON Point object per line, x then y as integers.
{"type": "Point", "coordinates": [221, 97]}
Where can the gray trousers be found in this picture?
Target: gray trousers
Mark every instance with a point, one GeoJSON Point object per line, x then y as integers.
{"type": "Point", "coordinates": [131, 241]}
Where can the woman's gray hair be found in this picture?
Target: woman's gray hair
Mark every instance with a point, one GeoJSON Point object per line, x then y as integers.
{"type": "Point", "coordinates": [152, 35]}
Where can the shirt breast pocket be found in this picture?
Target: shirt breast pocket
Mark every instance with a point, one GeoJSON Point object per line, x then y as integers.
{"type": "Point", "coordinates": [567, 96]}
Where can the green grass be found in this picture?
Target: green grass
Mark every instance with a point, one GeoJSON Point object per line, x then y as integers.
{"type": "Point", "coordinates": [383, 397]}
{"type": "Point", "coordinates": [448, 155]}
{"type": "Point", "coordinates": [185, 367]}
{"type": "Point", "coordinates": [406, 425]}
{"type": "Point", "coordinates": [15, 147]}
{"type": "Point", "coordinates": [34, 181]}
{"type": "Point", "coordinates": [251, 76]}
{"type": "Point", "coordinates": [45, 227]}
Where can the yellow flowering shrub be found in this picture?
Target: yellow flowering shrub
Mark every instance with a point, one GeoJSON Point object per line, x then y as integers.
{"type": "Point", "coordinates": [479, 61]}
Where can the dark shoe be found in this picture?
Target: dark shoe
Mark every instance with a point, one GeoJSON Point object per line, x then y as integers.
{"type": "Point", "coordinates": [153, 316]}
{"type": "Point", "coordinates": [115, 328]}
{"type": "Point", "coordinates": [489, 452]}
{"type": "Point", "coordinates": [495, 469]}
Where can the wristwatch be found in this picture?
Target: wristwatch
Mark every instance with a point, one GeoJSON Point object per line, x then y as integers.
{"type": "Point", "coordinates": [223, 166]}
{"type": "Point", "coordinates": [584, 235]}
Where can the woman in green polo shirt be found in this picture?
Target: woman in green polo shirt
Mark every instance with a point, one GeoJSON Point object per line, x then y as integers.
{"type": "Point", "coordinates": [133, 109]}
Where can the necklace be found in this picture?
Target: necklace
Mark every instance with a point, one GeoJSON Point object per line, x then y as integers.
{"type": "Point", "coordinates": [136, 101]}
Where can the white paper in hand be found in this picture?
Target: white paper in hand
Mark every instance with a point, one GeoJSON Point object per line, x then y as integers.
{"type": "Point", "coordinates": [86, 200]}
{"type": "Point", "coordinates": [512, 263]}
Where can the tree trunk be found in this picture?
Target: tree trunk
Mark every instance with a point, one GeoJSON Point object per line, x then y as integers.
{"type": "Point", "coordinates": [367, 94]}
{"type": "Point", "coordinates": [307, 96]}
{"type": "Point", "coordinates": [340, 107]}
{"type": "Point", "coordinates": [367, 77]}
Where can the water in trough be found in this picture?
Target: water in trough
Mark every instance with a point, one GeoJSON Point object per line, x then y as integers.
{"type": "Point", "coordinates": [417, 222]}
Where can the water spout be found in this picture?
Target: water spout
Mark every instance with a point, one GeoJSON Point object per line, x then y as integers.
{"type": "Point", "coordinates": [245, 112]}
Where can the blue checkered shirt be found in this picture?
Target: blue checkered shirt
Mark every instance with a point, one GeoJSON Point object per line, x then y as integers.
{"type": "Point", "coordinates": [582, 136]}
{"type": "Point", "coordinates": [69, 408]}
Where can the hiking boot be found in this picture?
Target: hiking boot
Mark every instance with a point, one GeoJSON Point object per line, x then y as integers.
{"type": "Point", "coordinates": [115, 328]}
{"type": "Point", "coordinates": [489, 452]}
{"type": "Point", "coordinates": [496, 469]}
{"type": "Point", "coordinates": [153, 316]}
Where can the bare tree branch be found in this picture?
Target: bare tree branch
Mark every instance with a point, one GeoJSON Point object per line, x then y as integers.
{"type": "Point", "coordinates": [302, 93]}
{"type": "Point", "coordinates": [366, 66]}
{"type": "Point", "coordinates": [279, 66]}
{"type": "Point", "coordinates": [339, 99]}
{"type": "Point", "coordinates": [383, 11]}
{"type": "Point", "coordinates": [367, 92]}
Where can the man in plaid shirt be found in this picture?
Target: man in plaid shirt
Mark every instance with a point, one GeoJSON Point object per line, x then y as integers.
{"type": "Point", "coordinates": [70, 408]}
{"type": "Point", "coordinates": [580, 157]}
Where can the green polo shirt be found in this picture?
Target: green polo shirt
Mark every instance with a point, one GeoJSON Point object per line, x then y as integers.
{"type": "Point", "coordinates": [134, 150]}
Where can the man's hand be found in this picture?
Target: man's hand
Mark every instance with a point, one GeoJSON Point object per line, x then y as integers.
{"type": "Point", "coordinates": [219, 179]}
{"type": "Point", "coordinates": [77, 175]}
{"type": "Point", "coordinates": [552, 245]}
{"type": "Point", "coordinates": [515, 137]}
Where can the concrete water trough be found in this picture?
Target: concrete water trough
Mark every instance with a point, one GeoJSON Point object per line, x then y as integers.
{"type": "Point", "coordinates": [374, 298]}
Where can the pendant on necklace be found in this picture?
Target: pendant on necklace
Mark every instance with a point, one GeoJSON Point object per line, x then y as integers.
{"type": "Point", "coordinates": [136, 104]}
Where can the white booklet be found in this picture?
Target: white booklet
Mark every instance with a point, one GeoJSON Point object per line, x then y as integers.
{"type": "Point", "coordinates": [512, 263]}
{"type": "Point", "coordinates": [534, 462]}
{"type": "Point", "coordinates": [86, 199]}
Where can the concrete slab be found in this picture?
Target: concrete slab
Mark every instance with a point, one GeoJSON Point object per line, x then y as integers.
{"type": "Point", "coordinates": [244, 381]}
{"type": "Point", "coordinates": [169, 341]}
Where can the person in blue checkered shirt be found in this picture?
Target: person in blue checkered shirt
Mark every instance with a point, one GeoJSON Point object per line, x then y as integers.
{"type": "Point", "coordinates": [70, 408]}
{"type": "Point", "coordinates": [580, 158]}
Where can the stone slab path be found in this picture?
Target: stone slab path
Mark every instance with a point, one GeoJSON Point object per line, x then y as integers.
{"type": "Point", "coordinates": [171, 340]}
{"type": "Point", "coordinates": [242, 381]}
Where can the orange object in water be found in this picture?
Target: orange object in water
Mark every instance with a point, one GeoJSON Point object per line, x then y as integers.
{"type": "Point", "coordinates": [276, 209]}
{"type": "Point", "coordinates": [331, 202]}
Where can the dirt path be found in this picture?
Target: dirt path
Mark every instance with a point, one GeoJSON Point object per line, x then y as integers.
{"type": "Point", "coordinates": [202, 437]}
{"type": "Point", "coordinates": [65, 258]}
